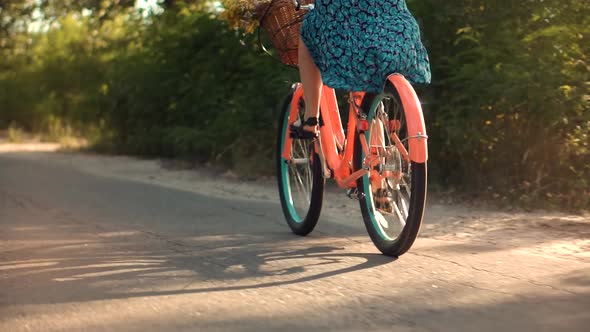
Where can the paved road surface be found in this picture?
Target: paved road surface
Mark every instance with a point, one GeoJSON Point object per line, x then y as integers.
{"type": "Point", "coordinates": [82, 252]}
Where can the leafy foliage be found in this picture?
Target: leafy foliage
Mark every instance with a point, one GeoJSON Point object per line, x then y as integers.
{"type": "Point", "coordinates": [243, 14]}
{"type": "Point", "coordinates": [509, 109]}
{"type": "Point", "coordinates": [511, 97]}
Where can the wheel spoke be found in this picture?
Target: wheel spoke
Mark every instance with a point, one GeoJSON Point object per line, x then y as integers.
{"type": "Point", "coordinates": [300, 180]}
{"type": "Point", "coordinates": [299, 183]}
{"type": "Point", "coordinates": [398, 213]}
{"type": "Point", "coordinates": [404, 206]}
{"type": "Point", "coordinates": [300, 161]}
{"type": "Point", "coordinates": [393, 204]}
{"type": "Point", "coordinates": [302, 190]}
{"type": "Point", "coordinates": [388, 121]}
{"type": "Point", "coordinates": [381, 219]}
{"type": "Point", "coordinates": [301, 176]}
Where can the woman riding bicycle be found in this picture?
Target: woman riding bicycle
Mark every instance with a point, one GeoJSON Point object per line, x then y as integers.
{"type": "Point", "coordinates": [354, 45]}
{"type": "Point", "coordinates": [371, 48]}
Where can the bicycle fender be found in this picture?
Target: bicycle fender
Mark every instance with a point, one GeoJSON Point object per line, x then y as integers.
{"type": "Point", "coordinates": [418, 140]}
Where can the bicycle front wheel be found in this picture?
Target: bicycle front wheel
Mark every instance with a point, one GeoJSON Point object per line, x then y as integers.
{"type": "Point", "coordinates": [393, 193]}
{"type": "Point", "coordinates": [300, 180]}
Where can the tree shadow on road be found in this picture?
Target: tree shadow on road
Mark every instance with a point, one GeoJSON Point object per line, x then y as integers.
{"type": "Point", "coordinates": [104, 265]}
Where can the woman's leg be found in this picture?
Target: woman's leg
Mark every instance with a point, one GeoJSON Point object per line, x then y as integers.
{"type": "Point", "coordinates": [312, 84]}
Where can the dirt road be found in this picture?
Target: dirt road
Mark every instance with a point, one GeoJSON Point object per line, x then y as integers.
{"type": "Point", "coordinates": [95, 243]}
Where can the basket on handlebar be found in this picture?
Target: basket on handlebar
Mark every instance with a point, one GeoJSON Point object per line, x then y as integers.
{"type": "Point", "coordinates": [281, 23]}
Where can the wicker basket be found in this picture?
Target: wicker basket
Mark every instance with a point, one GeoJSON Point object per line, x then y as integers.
{"type": "Point", "coordinates": [281, 23]}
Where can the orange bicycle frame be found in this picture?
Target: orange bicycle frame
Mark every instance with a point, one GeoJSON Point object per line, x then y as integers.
{"type": "Point", "coordinates": [336, 150]}
{"type": "Point", "coordinates": [334, 147]}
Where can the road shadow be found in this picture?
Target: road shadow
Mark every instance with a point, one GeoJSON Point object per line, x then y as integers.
{"type": "Point", "coordinates": [99, 265]}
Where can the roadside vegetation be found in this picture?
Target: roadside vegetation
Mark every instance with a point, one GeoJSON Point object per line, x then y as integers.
{"type": "Point", "coordinates": [508, 112]}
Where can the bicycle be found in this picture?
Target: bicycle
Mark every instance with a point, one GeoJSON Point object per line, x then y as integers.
{"type": "Point", "coordinates": [380, 159]}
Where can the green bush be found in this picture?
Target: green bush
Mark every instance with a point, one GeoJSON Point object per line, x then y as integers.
{"type": "Point", "coordinates": [195, 90]}
{"type": "Point", "coordinates": [508, 111]}
{"type": "Point", "coordinates": [509, 106]}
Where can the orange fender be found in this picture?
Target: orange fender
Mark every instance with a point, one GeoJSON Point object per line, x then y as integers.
{"type": "Point", "coordinates": [414, 117]}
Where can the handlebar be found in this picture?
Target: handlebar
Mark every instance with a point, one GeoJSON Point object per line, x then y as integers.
{"type": "Point", "coordinates": [298, 5]}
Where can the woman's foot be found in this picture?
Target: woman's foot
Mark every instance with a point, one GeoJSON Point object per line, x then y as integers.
{"type": "Point", "coordinates": [306, 130]}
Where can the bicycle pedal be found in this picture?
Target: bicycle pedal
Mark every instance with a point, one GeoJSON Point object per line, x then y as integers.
{"type": "Point", "coordinates": [296, 136]}
{"type": "Point", "coordinates": [353, 193]}
{"type": "Point", "coordinates": [298, 133]}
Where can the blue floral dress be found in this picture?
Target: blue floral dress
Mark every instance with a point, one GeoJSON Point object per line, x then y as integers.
{"type": "Point", "coordinates": [356, 44]}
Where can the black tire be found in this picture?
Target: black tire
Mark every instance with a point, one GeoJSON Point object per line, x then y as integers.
{"type": "Point", "coordinates": [413, 194]}
{"type": "Point", "coordinates": [302, 218]}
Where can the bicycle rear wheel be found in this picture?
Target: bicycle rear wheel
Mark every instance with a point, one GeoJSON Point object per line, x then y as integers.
{"type": "Point", "coordinates": [300, 180]}
{"type": "Point", "coordinates": [393, 193]}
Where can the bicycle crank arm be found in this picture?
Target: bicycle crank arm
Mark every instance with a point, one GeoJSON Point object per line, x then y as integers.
{"type": "Point", "coordinates": [354, 193]}
{"type": "Point", "coordinates": [352, 178]}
